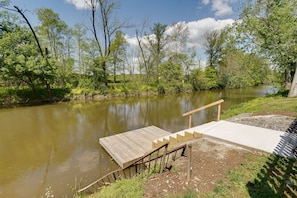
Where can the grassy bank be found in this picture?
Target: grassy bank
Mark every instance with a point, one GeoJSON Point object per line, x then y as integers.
{"type": "Point", "coordinates": [26, 95]}
{"type": "Point", "coordinates": [23, 96]}
{"type": "Point", "coordinates": [259, 175]}
{"type": "Point", "coordinates": [266, 105]}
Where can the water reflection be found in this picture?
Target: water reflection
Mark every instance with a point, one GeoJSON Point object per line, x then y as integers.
{"type": "Point", "coordinates": [57, 145]}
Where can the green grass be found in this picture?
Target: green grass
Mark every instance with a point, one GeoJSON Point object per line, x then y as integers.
{"type": "Point", "coordinates": [267, 105]}
{"type": "Point", "coordinates": [126, 188]}
{"type": "Point", "coordinates": [259, 176]}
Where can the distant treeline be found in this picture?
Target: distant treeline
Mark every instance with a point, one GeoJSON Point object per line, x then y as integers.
{"type": "Point", "coordinates": [53, 60]}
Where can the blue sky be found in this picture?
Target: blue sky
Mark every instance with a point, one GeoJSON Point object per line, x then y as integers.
{"type": "Point", "coordinates": [199, 15]}
{"type": "Point", "coordinates": [136, 11]}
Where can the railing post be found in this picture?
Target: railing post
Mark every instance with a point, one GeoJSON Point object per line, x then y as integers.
{"type": "Point", "coordinates": [163, 159]}
{"type": "Point", "coordinates": [189, 162]}
{"type": "Point", "coordinates": [219, 112]}
{"type": "Point", "coordinates": [190, 113]}
{"type": "Point", "coordinates": [190, 120]}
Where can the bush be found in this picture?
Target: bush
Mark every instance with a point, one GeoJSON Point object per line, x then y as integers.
{"type": "Point", "coordinates": [161, 89]}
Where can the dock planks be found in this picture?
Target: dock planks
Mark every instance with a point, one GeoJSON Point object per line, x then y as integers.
{"type": "Point", "coordinates": [128, 146]}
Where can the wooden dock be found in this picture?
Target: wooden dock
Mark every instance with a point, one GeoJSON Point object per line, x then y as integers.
{"type": "Point", "coordinates": [128, 146]}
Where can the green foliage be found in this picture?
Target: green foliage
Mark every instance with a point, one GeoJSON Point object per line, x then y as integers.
{"type": "Point", "coordinates": [55, 35]}
{"type": "Point", "coordinates": [269, 27]}
{"type": "Point", "coordinates": [214, 47]}
{"type": "Point", "coordinates": [11, 95]}
{"type": "Point", "coordinates": [166, 63]}
{"type": "Point", "coordinates": [123, 188]}
{"type": "Point", "coordinates": [211, 75]}
{"type": "Point", "coordinates": [198, 79]}
{"type": "Point", "coordinates": [170, 73]}
{"type": "Point", "coordinates": [21, 60]}
{"type": "Point", "coordinates": [161, 89]}
{"type": "Point", "coordinates": [239, 69]}
{"type": "Point", "coordinates": [271, 104]}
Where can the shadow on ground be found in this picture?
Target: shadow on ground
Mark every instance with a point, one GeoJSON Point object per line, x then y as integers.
{"type": "Point", "coordinates": [278, 177]}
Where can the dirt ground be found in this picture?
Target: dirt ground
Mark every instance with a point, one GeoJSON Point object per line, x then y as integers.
{"type": "Point", "coordinates": [211, 159]}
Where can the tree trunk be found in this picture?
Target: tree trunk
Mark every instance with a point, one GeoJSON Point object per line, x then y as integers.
{"type": "Point", "coordinates": [105, 73]}
{"type": "Point", "coordinates": [293, 89]}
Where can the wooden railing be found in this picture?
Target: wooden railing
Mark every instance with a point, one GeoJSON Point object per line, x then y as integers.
{"type": "Point", "coordinates": [155, 161]}
{"type": "Point", "coordinates": [219, 102]}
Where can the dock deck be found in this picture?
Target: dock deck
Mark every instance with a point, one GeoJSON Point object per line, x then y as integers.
{"type": "Point", "coordinates": [128, 146]}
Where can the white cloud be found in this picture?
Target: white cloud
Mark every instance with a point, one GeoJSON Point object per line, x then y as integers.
{"type": "Point", "coordinates": [220, 7]}
{"type": "Point", "coordinates": [205, 2]}
{"type": "Point", "coordinates": [79, 4]}
{"type": "Point", "coordinates": [132, 41]}
{"type": "Point", "coordinates": [196, 29]}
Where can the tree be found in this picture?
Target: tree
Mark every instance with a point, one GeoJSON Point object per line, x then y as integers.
{"type": "Point", "coordinates": [55, 34]}
{"type": "Point", "coordinates": [157, 43]}
{"type": "Point", "coordinates": [46, 76]}
{"type": "Point", "coordinates": [81, 47]}
{"type": "Point", "coordinates": [198, 79]}
{"type": "Point", "coordinates": [171, 72]}
{"type": "Point", "coordinates": [271, 27]}
{"type": "Point", "coordinates": [176, 49]}
{"type": "Point", "coordinates": [144, 57]}
{"type": "Point", "coordinates": [214, 46]}
{"type": "Point", "coordinates": [21, 60]}
{"type": "Point", "coordinates": [109, 26]}
{"type": "Point", "coordinates": [118, 53]}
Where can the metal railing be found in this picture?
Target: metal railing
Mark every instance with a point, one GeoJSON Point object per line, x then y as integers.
{"type": "Point", "coordinates": [154, 162]}
{"type": "Point", "coordinates": [190, 113]}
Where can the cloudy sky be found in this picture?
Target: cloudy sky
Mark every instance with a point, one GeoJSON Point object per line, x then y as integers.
{"type": "Point", "coordinates": [199, 15]}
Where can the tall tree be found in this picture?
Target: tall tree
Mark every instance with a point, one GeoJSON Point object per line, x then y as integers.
{"type": "Point", "coordinates": [21, 60]}
{"type": "Point", "coordinates": [271, 26]}
{"type": "Point", "coordinates": [177, 50]}
{"type": "Point", "coordinates": [79, 33]}
{"type": "Point", "coordinates": [214, 46]}
{"type": "Point", "coordinates": [102, 18]}
{"type": "Point", "coordinates": [44, 68]}
{"type": "Point", "coordinates": [157, 43]}
{"type": "Point", "coordinates": [118, 53]}
{"type": "Point", "coordinates": [145, 58]}
{"type": "Point", "coordinates": [55, 34]}
{"type": "Point", "coordinates": [51, 30]}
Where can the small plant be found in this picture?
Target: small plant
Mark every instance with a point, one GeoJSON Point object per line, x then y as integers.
{"type": "Point", "coordinates": [175, 169]}
{"type": "Point", "coordinates": [123, 188]}
{"type": "Point", "coordinates": [190, 194]}
{"type": "Point", "coordinates": [49, 192]}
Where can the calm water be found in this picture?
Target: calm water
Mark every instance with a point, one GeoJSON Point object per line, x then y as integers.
{"type": "Point", "coordinates": [57, 145]}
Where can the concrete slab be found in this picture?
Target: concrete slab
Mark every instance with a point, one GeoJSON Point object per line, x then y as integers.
{"type": "Point", "coordinates": [271, 141]}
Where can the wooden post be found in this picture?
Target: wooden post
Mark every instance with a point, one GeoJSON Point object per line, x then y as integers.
{"type": "Point", "coordinates": [149, 167]}
{"type": "Point", "coordinates": [219, 102]}
{"type": "Point", "coordinates": [190, 120]}
{"type": "Point", "coordinates": [219, 111]}
{"type": "Point", "coordinates": [189, 162]}
{"type": "Point", "coordinates": [163, 159]}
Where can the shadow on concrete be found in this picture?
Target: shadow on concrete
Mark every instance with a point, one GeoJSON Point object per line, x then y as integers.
{"type": "Point", "coordinates": [278, 177]}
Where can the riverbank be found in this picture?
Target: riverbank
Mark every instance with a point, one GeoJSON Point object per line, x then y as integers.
{"type": "Point", "coordinates": [223, 170]}
{"type": "Point", "coordinates": [20, 96]}
{"type": "Point", "coordinates": [27, 97]}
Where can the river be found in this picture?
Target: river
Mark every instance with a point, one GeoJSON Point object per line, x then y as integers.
{"type": "Point", "coordinates": [56, 145]}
